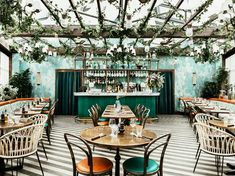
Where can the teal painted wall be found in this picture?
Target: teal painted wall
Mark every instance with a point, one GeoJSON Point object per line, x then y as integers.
{"type": "Point", "coordinates": [184, 67]}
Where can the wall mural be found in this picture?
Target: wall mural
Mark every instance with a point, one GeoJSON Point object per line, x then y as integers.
{"type": "Point", "coordinates": [184, 68]}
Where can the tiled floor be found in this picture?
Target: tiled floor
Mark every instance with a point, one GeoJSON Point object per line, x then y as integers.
{"type": "Point", "coordinates": [179, 159]}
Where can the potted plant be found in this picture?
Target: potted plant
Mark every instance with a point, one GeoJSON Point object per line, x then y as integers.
{"type": "Point", "coordinates": [23, 83]}
{"type": "Point", "coordinates": [156, 81]}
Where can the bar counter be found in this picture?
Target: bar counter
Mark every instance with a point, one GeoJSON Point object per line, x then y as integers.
{"type": "Point", "coordinates": [86, 99]}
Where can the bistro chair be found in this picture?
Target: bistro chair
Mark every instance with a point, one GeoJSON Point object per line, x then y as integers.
{"type": "Point", "coordinates": [215, 142]}
{"type": "Point", "coordinates": [89, 165]}
{"type": "Point", "coordinates": [143, 118]}
{"type": "Point", "coordinates": [138, 110]}
{"type": "Point", "coordinates": [40, 119]}
{"type": "Point", "coordinates": [145, 165]}
{"type": "Point", "coordinates": [101, 119]}
{"type": "Point", "coordinates": [53, 106]}
{"type": "Point", "coordinates": [93, 113]}
{"type": "Point", "coordinates": [21, 143]}
{"type": "Point", "coordinates": [192, 113]}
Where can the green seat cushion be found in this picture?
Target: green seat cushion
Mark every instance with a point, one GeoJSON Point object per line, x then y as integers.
{"type": "Point", "coordinates": [46, 124]}
{"type": "Point", "coordinates": [102, 119]}
{"type": "Point", "coordinates": [136, 164]}
{"type": "Point", "coordinates": [138, 123]}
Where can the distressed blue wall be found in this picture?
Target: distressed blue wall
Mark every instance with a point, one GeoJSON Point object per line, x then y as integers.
{"type": "Point", "coordinates": [184, 67]}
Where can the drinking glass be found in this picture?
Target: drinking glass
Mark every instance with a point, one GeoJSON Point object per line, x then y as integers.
{"type": "Point", "coordinates": [112, 125]}
{"type": "Point", "coordinates": [139, 129]}
{"type": "Point", "coordinates": [132, 124]}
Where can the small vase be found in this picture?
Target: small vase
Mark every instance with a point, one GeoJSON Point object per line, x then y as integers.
{"type": "Point", "coordinates": [154, 90]}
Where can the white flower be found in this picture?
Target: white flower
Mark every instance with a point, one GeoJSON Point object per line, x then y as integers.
{"type": "Point", "coordinates": [119, 49]}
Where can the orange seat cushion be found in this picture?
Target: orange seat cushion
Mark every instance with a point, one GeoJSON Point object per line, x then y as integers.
{"type": "Point", "coordinates": [103, 123]}
{"type": "Point", "coordinates": [100, 165]}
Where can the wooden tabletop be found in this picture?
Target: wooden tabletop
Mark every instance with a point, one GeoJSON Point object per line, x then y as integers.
{"type": "Point", "coordinates": [27, 113]}
{"type": "Point", "coordinates": [12, 125]}
{"type": "Point", "coordinates": [125, 140]}
{"type": "Point", "coordinates": [221, 124]}
{"type": "Point", "coordinates": [125, 112]}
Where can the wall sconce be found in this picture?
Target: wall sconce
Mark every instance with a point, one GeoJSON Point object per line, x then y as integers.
{"type": "Point", "coordinates": [194, 78]}
{"type": "Point", "coordinates": [38, 78]}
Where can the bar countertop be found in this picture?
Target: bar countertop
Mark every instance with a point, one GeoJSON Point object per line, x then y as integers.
{"type": "Point", "coordinates": [117, 94]}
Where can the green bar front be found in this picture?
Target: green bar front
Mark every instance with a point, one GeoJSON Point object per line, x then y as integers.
{"type": "Point", "coordinates": [85, 102]}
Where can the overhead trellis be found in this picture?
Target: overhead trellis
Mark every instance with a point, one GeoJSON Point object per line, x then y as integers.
{"type": "Point", "coordinates": [16, 20]}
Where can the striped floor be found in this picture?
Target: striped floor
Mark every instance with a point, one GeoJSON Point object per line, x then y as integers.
{"type": "Point", "coordinates": [179, 159]}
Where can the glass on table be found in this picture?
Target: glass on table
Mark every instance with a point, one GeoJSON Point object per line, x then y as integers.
{"type": "Point", "coordinates": [114, 127]}
{"type": "Point", "coordinates": [139, 129]}
{"type": "Point", "coordinates": [132, 124]}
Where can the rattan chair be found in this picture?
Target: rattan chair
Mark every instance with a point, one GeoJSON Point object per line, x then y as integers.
{"type": "Point", "coordinates": [89, 165]}
{"type": "Point", "coordinates": [21, 143]}
{"type": "Point", "coordinates": [145, 165]}
{"type": "Point", "coordinates": [203, 118]}
{"type": "Point", "coordinates": [215, 142]}
{"type": "Point", "coordinates": [40, 119]}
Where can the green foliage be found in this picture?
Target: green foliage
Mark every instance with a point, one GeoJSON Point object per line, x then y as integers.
{"type": "Point", "coordinates": [220, 82]}
{"type": "Point", "coordinates": [8, 9]}
{"type": "Point", "coordinates": [23, 83]}
{"type": "Point", "coordinates": [210, 90]}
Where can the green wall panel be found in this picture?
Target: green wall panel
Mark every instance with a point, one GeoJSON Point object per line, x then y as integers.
{"type": "Point", "coordinates": [85, 102]}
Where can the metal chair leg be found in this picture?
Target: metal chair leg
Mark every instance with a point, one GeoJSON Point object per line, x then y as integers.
{"type": "Point", "coordinates": [222, 166]}
{"type": "Point", "coordinates": [39, 163]}
{"type": "Point", "coordinates": [197, 161]}
{"type": "Point", "coordinates": [44, 149]}
{"type": "Point", "coordinates": [197, 150]}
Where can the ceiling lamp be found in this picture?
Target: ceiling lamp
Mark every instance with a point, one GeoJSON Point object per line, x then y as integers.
{"type": "Point", "coordinates": [189, 32]}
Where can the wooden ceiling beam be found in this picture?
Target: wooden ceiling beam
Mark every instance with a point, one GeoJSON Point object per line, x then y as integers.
{"type": "Point", "coordinates": [207, 33]}
{"type": "Point", "coordinates": [51, 12]}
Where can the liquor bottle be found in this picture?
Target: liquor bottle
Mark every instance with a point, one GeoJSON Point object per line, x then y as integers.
{"type": "Point", "coordinates": [2, 117]}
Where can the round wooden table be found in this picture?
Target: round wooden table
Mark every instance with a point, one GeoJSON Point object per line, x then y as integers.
{"type": "Point", "coordinates": [100, 135]}
{"type": "Point", "coordinates": [11, 125]}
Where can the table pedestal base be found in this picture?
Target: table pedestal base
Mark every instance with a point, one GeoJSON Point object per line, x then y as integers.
{"type": "Point", "coordinates": [117, 160]}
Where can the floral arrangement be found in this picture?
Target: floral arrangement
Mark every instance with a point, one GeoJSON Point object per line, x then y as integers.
{"type": "Point", "coordinates": [8, 92]}
{"type": "Point", "coordinates": [121, 53]}
{"type": "Point", "coordinates": [156, 80]}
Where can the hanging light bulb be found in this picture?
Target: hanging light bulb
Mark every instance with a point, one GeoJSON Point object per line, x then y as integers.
{"type": "Point", "coordinates": [37, 45]}
{"type": "Point", "coordinates": [50, 53]}
{"type": "Point", "coordinates": [215, 48]}
{"type": "Point", "coordinates": [146, 48]}
{"type": "Point", "coordinates": [191, 43]}
{"type": "Point", "coordinates": [128, 22]}
{"type": "Point", "coordinates": [54, 53]}
{"type": "Point", "coordinates": [189, 32]}
{"type": "Point", "coordinates": [20, 50]}
{"type": "Point", "coordinates": [191, 53]}
{"type": "Point", "coordinates": [91, 56]}
{"type": "Point", "coordinates": [119, 49]}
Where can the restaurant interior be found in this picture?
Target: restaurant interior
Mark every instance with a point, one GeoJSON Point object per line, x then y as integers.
{"type": "Point", "coordinates": [117, 87]}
